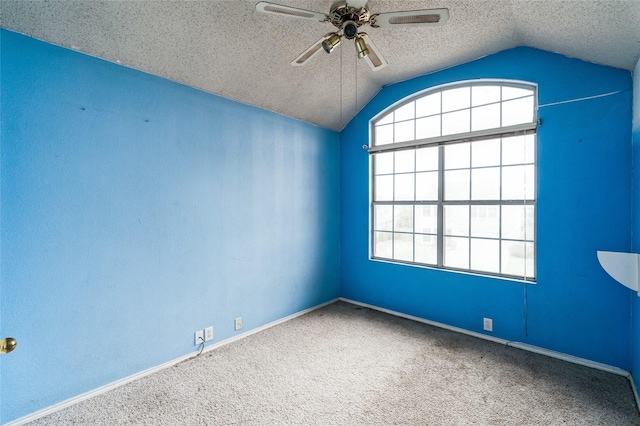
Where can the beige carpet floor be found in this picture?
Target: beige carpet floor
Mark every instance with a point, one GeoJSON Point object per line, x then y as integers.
{"type": "Point", "coordinates": [347, 365]}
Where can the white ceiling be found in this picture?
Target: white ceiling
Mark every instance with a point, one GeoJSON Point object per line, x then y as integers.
{"type": "Point", "coordinates": [225, 47]}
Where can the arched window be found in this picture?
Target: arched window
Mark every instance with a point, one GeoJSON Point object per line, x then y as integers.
{"type": "Point", "coordinates": [453, 179]}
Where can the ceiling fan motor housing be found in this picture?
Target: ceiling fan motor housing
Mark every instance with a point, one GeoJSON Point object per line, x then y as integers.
{"type": "Point", "coordinates": [348, 18]}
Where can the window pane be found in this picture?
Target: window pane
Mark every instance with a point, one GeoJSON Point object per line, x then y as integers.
{"type": "Point", "coordinates": [529, 218]}
{"type": "Point", "coordinates": [517, 222]}
{"type": "Point", "coordinates": [384, 134]}
{"type": "Point", "coordinates": [513, 222]}
{"type": "Point", "coordinates": [426, 249]}
{"type": "Point", "coordinates": [455, 122]}
{"type": "Point", "coordinates": [456, 220]}
{"type": "Point", "coordinates": [427, 159]}
{"type": "Point", "coordinates": [529, 266]}
{"type": "Point", "coordinates": [428, 105]}
{"type": "Point", "coordinates": [485, 184]}
{"type": "Point", "coordinates": [405, 112]}
{"type": "Point", "coordinates": [456, 185]}
{"type": "Point", "coordinates": [485, 153]}
{"type": "Point", "coordinates": [530, 182]}
{"type": "Point", "coordinates": [404, 131]}
{"type": "Point", "coordinates": [485, 221]}
{"type": "Point", "coordinates": [428, 127]}
{"type": "Point", "coordinates": [456, 156]}
{"type": "Point", "coordinates": [403, 247]}
{"type": "Point", "coordinates": [485, 117]}
{"type": "Point", "coordinates": [383, 163]}
{"type": "Point", "coordinates": [456, 252]}
{"type": "Point", "coordinates": [485, 255]}
{"type": "Point", "coordinates": [518, 149]}
{"type": "Point", "coordinates": [530, 148]}
{"type": "Point", "coordinates": [382, 245]}
{"type": "Point", "coordinates": [517, 111]}
{"type": "Point", "coordinates": [383, 188]}
{"type": "Point", "coordinates": [405, 161]}
{"type": "Point", "coordinates": [426, 219]}
{"type": "Point", "coordinates": [454, 99]}
{"type": "Point", "coordinates": [482, 95]}
{"type": "Point", "coordinates": [404, 187]}
{"type": "Point", "coordinates": [517, 258]}
{"type": "Point", "coordinates": [518, 183]}
{"type": "Point", "coordinates": [383, 216]}
{"type": "Point", "coordinates": [514, 92]}
{"type": "Point", "coordinates": [403, 219]}
{"type": "Point", "coordinates": [427, 186]}
{"type": "Point", "coordinates": [385, 119]}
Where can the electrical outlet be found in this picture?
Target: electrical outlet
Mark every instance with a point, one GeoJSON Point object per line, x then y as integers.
{"type": "Point", "coordinates": [487, 324]}
{"type": "Point", "coordinates": [208, 334]}
{"type": "Point", "coordinates": [199, 337]}
{"type": "Point", "coordinates": [238, 323]}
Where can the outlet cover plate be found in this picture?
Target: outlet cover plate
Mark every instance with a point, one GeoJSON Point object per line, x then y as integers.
{"type": "Point", "coordinates": [238, 323]}
{"type": "Point", "coordinates": [487, 324]}
{"type": "Point", "coordinates": [199, 338]}
{"type": "Point", "coordinates": [208, 334]}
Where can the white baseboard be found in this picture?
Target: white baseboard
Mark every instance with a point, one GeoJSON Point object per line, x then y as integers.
{"type": "Point", "coordinates": [519, 345]}
{"type": "Point", "coordinates": [106, 388]}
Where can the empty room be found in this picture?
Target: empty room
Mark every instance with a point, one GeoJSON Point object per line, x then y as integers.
{"type": "Point", "coordinates": [317, 212]}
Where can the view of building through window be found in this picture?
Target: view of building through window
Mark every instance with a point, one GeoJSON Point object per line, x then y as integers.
{"type": "Point", "coordinates": [453, 180]}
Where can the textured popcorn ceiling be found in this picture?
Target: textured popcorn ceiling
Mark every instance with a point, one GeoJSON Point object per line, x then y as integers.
{"type": "Point", "coordinates": [225, 47]}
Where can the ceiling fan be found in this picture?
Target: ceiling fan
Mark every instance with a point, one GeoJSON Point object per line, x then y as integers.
{"type": "Point", "coordinates": [349, 16]}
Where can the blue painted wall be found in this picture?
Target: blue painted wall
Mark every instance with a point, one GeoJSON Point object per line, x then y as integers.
{"type": "Point", "coordinates": [635, 315]}
{"type": "Point", "coordinates": [135, 211]}
{"type": "Point", "coordinates": [584, 205]}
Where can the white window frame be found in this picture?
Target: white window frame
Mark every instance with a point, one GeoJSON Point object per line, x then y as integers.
{"type": "Point", "coordinates": [521, 129]}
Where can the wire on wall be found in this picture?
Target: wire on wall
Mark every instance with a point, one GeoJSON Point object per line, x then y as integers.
{"type": "Point", "coordinates": [356, 111]}
{"type": "Point", "coordinates": [341, 84]}
{"type": "Point", "coordinates": [201, 345]}
{"type": "Point", "coordinates": [524, 310]}
{"type": "Point", "coordinates": [568, 101]}
{"type": "Point", "coordinates": [524, 278]}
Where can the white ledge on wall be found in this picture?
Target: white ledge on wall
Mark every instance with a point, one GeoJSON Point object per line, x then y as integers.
{"type": "Point", "coordinates": [623, 267]}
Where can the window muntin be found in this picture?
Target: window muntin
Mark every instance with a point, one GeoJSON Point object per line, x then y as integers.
{"type": "Point", "coordinates": [453, 179]}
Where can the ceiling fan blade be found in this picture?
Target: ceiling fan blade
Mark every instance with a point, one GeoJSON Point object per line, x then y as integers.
{"type": "Point", "coordinates": [375, 59]}
{"type": "Point", "coordinates": [411, 18]}
{"type": "Point", "coordinates": [358, 4]}
{"type": "Point", "coordinates": [293, 12]}
{"type": "Point", "coordinates": [309, 53]}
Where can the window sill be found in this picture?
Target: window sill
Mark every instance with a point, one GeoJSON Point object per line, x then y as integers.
{"type": "Point", "coordinates": [532, 281]}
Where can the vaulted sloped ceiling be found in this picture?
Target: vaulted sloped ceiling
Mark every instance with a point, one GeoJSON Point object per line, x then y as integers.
{"type": "Point", "coordinates": [226, 48]}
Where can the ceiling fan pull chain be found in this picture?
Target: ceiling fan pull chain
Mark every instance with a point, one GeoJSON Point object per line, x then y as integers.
{"type": "Point", "coordinates": [341, 84]}
{"type": "Point", "coordinates": [356, 112]}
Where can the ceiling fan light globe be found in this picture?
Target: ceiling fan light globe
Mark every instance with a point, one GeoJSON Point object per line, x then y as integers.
{"type": "Point", "coordinates": [331, 42]}
{"type": "Point", "coordinates": [361, 47]}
